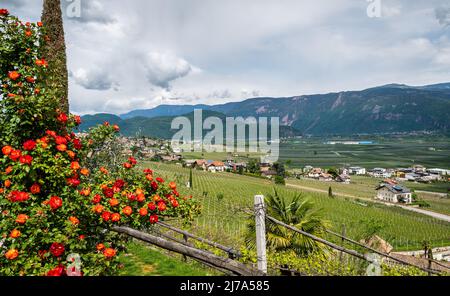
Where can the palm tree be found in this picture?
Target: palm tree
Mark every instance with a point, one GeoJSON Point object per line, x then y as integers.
{"type": "Point", "coordinates": [297, 211]}
{"type": "Point", "coordinates": [54, 52]}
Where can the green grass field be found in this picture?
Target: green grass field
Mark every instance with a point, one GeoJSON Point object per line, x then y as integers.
{"type": "Point", "coordinates": [222, 221]}
{"type": "Point", "coordinates": [142, 260]}
{"type": "Point", "coordinates": [386, 152]}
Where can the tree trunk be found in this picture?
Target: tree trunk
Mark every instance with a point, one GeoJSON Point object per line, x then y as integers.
{"type": "Point", "coordinates": [54, 52]}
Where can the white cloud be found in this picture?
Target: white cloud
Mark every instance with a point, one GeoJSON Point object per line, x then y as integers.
{"type": "Point", "coordinates": [93, 79]}
{"type": "Point", "coordinates": [155, 49]}
{"type": "Point", "coordinates": [163, 68]}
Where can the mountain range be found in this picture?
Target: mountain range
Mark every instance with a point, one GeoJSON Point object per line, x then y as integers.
{"type": "Point", "coordinates": [385, 109]}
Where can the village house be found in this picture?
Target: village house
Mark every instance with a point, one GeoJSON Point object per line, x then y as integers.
{"type": "Point", "coordinates": [315, 173]}
{"type": "Point", "coordinates": [356, 170]}
{"type": "Point", "coordinates": [380, 173]}
{"type": "Point", "coordinates": [325, 177]}
{"type": "Point", "coordinates": [216, 166]}
{"type": "Point", "coordinates": [394, 193]}
{"type": "Point", "coordinates": [343, 178]}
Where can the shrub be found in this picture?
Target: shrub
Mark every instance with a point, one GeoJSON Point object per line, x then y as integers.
{"type": "Point", "coordinates": [56, 212]}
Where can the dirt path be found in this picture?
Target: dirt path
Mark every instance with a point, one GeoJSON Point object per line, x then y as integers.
{"type": "Point", "coordinates": [439, 216]}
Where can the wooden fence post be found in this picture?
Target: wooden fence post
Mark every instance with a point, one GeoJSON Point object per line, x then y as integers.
{"type": "Point", "coordinates": [260, 219]}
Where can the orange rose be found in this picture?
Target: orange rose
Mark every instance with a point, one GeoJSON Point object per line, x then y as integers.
{"type": "Point", "coordinates": [140, 197]}
{"type": "Point", "coordinates": [12, 254]}
{"type": "Point", "coordinates": [100, 247]}
{"type": "Point", "coordinates": [75, 166]}
{"type": "Point", "coordinates": [156, 197]}
{"type": "Point", "coordinates": [149, 177]}
{"type": "Point", "coordinates": [85, 192]}
{"type": "Point", "coordinates": [71, 154]}
{"type": "Point", "coordinates": [39, 24]}
{"type": "Point", "coordinates": [103, 170]}
{"type": "Point", "coordinates": [115, 217]}
{"type": "Point", "coordinates": [109, 253]}
{"type": "Point", "coordinates": [116, 127]}
{"type": "Point", "coordinates": [172, 185]}
{"type": "Point", "coordinates": [84, 172]}
{"type": "Point", "coordinates": [7, 183]}
{"type": "Point", "coordinates": [113, 202]}
{"type": "Point", "coordinates": [98, 209]}
{"type": "Point", "coordinates": [13, 75]}
{"type": "Point", "coordinates": [127, 210]}
{"type": "Point", "coordinates": [61, 147]}
{"type": "Point", "coordinates": [1, 190]}
{"type": "Point", "coordinates": [143, 212]}
{"type": "Point", "coordinates": [7, 150]}
{"type": "Point", "coordinates": [74, 220]}
{"type": "Point", "coordinates": [8, 170]}
{"type": "Point", "coordinates": [21, 218]}
{"type": "Point", "coordinates": [15, 234]}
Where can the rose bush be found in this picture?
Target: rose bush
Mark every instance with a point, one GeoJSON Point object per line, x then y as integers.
{"type": "Point", "coordinates": [56, 210]}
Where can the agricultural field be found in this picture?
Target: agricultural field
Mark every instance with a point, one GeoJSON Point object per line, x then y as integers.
{"type": "Point", "coordinates": [224, 195]}
{"type": "Point", "coordinates": [364, 188]}
{"type": "Point", "coordinates": [385, 152]}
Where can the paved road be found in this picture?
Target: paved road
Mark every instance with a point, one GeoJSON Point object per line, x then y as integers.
{"type": "Point", "coordinates": [439, 216]}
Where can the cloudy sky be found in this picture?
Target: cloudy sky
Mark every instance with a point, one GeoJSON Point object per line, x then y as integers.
{"type": "Point", "coordinates": [135, 54]}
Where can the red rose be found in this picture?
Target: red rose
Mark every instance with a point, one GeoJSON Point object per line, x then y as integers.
{"type": "Point", "coordinates": [154, 185]}
{"type": "Point", "coordinates": [119, 183]}
{"type": "Point", "coordinates": [18, 196]}
{"type": "Point", "coordinates": [62, 118]}
{"type": "Point", "coordinates": [55, 202]}
{"type": "Point", "coordinates": [151, 206]}
{"type": "Point", "coordinates": [15, 154]}
{"type": "Point", "coordinates": [97, 198]}
{"type": "Point", "coordinates": [26, 159]}
{"type": "Point", "coordinates": [57, 271]}
{"type": "Point", "coordinates": [148, 171]}
{"type": "Point", "coordinates": [175, 203]}
{"type": "Point", "coordinates": [60, 140]}
{"type": "Point", "coordinates": [77, 119]}
{"type": "Point", "coordinates": [74, 182]}
{"type": "Point", "coordinates": [29, 145]}
{"type": "Point", "coordinates": [77, 144]}
{"type": "Point", "coordinates": [35, 188]}
{"type": "Point", "coordinates": [153, 219]}
{"type": "Point", "coordinates": [108, 192]}
{"type": "Point", "coordinates": [127, 165]}
{"type": "Point", "coordinates": [160, 180]}
{"type": "Point", "coordinates": [106, 216]}
{"type": "Point", "coordinates": [132, 160]}
{"type": "Point", "coordinates": [57, 249]}
{"type": "Point", "coordinates": [4, 12]}
{"type": "Point", "coordinates": [162, 206]}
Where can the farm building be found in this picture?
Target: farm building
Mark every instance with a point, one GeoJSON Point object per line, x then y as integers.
{"type": "Point", "coordinates": [394, 193]}
{"type": "Point", "coordinates": [216, 166]}
{"type": "Point", "coordinates": [342, 178]}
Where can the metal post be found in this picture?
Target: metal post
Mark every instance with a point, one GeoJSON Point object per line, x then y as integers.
{"type": "Point", "coordinates": [260, 219]}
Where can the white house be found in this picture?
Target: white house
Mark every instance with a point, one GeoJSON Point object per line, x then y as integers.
{"type": "Point", "coordinates": [380, 173]}
{"type": "Point", "coordinates": [394, 193]}
{"type": "Point", "coordinates": [356, 170]}
{"type": "Point", "coordinates": [216, 166]}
